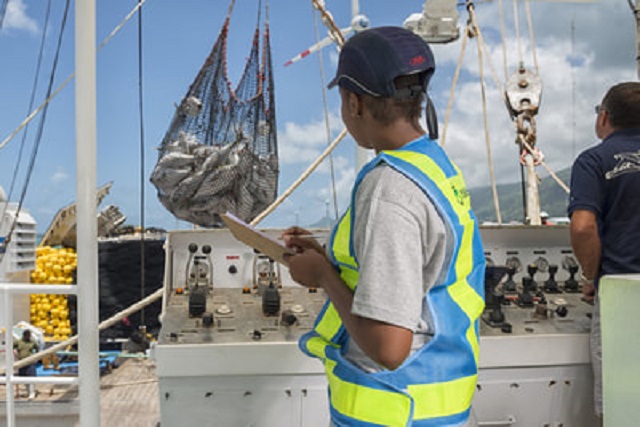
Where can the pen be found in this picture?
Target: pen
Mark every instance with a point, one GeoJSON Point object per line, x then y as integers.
{"type": "Point", "coordinates": [310, 236]}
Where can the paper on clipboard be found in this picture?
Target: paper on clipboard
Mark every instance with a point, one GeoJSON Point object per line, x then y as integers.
{"type": "Point", "coordinates": [256, 239]}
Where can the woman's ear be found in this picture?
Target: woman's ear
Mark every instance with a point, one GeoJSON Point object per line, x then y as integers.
{"type": "Point", "coordinates": [355, 105]}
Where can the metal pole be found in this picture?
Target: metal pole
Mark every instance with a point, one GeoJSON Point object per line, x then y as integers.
{"type": "Point", "coordinates": [8, 339]}
{"type": "Point", "coordinates": [85, 48]}
{"type": "Point", "coordinates": [533, 200]}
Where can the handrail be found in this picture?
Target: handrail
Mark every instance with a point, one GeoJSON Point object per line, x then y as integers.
{"type": "Point", "coordinates": [7, 290]}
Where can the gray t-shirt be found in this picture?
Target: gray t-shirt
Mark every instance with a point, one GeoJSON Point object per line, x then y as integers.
{"type": "Point", "coordinates": [401, 244]}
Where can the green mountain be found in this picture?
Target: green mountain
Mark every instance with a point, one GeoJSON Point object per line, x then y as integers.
{"type": "Point", "coordinates": [553, 199]}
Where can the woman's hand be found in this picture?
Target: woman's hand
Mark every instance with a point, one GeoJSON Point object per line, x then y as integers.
{"type": "Point", "coordinates": [298, 239]}
{"type": "Point", "coordinates": [309, 265]}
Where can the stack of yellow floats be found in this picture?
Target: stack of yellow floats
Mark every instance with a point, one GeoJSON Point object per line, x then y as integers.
{"type": "Point", "coordinates": [50, 312]}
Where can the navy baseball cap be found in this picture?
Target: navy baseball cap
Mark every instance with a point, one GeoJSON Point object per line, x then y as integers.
{"type": "Point", "coordinates": [371, 60]}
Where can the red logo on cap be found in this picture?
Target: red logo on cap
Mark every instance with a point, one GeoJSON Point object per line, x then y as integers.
{"type": "Point", "coordinates": [417, 60]}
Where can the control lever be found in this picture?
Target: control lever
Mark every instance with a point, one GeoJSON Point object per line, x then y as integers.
{"type": "Point", "coordinates": [532, 269]}
{"type": "Point", "coordinates": [525, 299]}
{"type": "Point", "coordinates": [271, 300]}
{"type": "Point", "coordinates": [570, 264]}
{"type": "Point", "coordinates": [550, 285]}
{"type": "Point", "coordinates": [571, 285]}
{"type": "Point", "coordinates": [190, 279]}
{"type": "Point", "coordinates": [510, 285]}
{"type": "Point", "coordinates": [514, 265]}
{"type": "Point", "coordinates": [493, 301]}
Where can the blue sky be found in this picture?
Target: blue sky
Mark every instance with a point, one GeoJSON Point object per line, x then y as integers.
{"type": "Point", "coordinates": [177, 36]}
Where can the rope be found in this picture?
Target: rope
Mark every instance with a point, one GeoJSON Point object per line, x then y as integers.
{"type": "Point", "coordinates": [494, 188]}
{"type": "Point", "coordinates": [55, 93]}
{"type": "Point", "coordinates": [533, 40]}
{"type": "Point", "coordinates": [504, 41]}
{"type": "Point", "coordinates": [31, 101]}
{"type": "Point", "coordinates": [494, 74]}
{"type": "Point", "coordinates": [443, 139]}
{"type": "Point", "coordinates": [328, 21]}
{"type": "Point", "coordinates": [543, 163]}
{"type": "Point", "coordinates": [301, 179]}
{"type": "Point", "coordinates": [74, 339]}
{"type": "Point", "coordinates": [517, 25]}
{"type": "Point", "coordinates": [142, 170]}
{"type": "Point", "coordinates": [39, 132]}
{"type": "Point", "coordinates": [326, 118]}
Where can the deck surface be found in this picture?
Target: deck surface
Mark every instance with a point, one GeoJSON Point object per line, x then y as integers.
{"type": "Point", "coordinates": [128, 395]}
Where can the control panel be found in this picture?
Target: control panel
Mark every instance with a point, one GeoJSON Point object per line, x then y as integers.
{"type": "Point", "coordinates": [218, 290]}
{"type": "Point", "coordinates": [232, 318]}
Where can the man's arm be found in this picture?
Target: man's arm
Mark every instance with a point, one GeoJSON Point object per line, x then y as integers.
{"type": "Point", "coordinates": [586, 243]}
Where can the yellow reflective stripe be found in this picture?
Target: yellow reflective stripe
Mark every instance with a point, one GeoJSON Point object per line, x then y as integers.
{"type": "Point", "coordinates": [442, 399]}
{"type": "Point", "coordinates": [316, 346]}
{"type": "Point", "coordinates": [463, 294]}
{"type": "Point", "coordinates": [330, 323]}
{"type": "Point", "coordinates": [341, 239]}
{"type": "Point", "coordinates": [473, 340]}
{"type": "Point", "coordinates": [367, 404]}
{"type": "Point", "coordinates": [464, 260]}
{"type": "Point", "coordinates": [350, 277]}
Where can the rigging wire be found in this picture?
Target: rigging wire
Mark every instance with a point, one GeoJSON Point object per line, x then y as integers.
{"type": "Point", "coordinates": [38, 138]}
{"type": "Point", "coordinates": [443, 138]}
{"type": "Point", "coordinates": [527, 5]}
{"type": "Point", "coordinates": [71, 76]}
{"type": "Point", "coordinates": [142, 171]}
{"type": "Point", "coordinates": [517, 26]}
{"type": "Point", "coordinates": [504, 41]}
{"type": "Point", "coordinates": [494, 189]}
{"type": "Point", "coordinates": [3, 10]}
{"type": "Point", "coordinates": [326, 117]}
{"type": "Point", "coordinates": [31, 101]}
{"type": "Point", "coordinates": [300, 179]}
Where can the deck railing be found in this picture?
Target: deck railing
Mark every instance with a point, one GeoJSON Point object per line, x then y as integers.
{"type": "Point", "coordinates": [8, 290]}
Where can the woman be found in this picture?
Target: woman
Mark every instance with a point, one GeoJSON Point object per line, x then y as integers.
{"type": "Point", "coordinates": [404, 267]}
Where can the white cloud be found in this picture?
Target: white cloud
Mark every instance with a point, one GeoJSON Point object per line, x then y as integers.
{"type": "Point", "coordinates": [574, 77]}
{"type": "Point", "coordinates": [16, 17]}
{"type": "Point", "coordinates": [59, 176]}
{"type": "Point", "coordinates": [576, 67]}
{"type": "Point", "coordinates": [303, 143]}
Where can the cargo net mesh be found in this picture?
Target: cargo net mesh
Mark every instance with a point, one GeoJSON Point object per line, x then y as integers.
{"type": "Point", "coordinates": [220, 152]}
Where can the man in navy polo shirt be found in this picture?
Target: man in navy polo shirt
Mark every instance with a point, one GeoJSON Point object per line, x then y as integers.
{"type": "Point", "coordinates": [604, 202]}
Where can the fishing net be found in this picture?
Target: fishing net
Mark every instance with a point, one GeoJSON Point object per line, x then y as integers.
{"type": "Point", "coordinates": [220, 152]}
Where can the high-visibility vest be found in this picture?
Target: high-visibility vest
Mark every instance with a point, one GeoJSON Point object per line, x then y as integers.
{"type": "Point", "coordinates": [435, 385]}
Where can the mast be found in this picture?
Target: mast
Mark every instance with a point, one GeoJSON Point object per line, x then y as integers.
{"type": "Point", "coordinates": [87, 277]}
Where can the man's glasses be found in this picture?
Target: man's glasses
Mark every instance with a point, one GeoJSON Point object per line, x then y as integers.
{"type": "Point", "coordinates": [598, 108]}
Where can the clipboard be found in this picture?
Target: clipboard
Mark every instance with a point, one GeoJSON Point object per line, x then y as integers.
{"type": "Point", "coordinates": [256, 239]}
